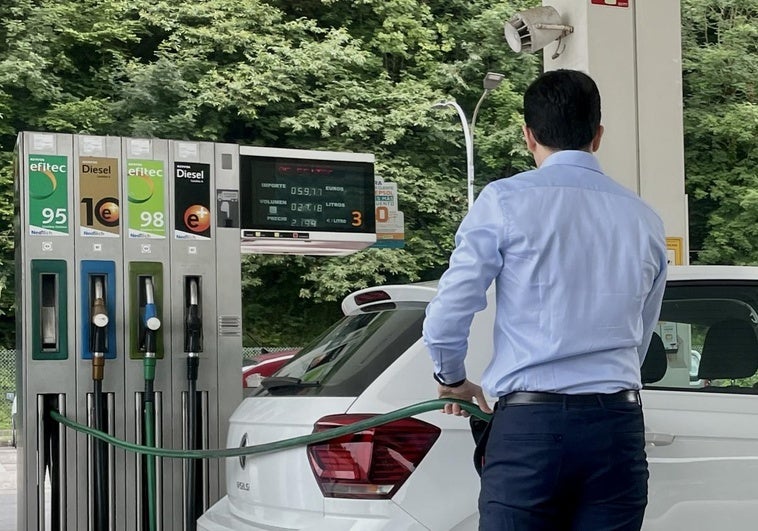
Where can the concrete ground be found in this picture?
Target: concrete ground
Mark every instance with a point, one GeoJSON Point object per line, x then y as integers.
{"type": "Point", "coordinates": [7, 488]}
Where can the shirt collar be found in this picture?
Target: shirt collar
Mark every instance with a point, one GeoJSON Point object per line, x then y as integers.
{"type": "Point", "coordinates": [573, 158]}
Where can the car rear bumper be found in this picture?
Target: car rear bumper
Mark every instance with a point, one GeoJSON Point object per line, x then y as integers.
{"type": "Point", "coordinates": [220, 518]}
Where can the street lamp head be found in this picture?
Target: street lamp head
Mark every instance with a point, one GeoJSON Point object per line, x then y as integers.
{"type": "Point", "coordinates": [492, 80]}
{"type": "Point", "coordinates": [532, 29]}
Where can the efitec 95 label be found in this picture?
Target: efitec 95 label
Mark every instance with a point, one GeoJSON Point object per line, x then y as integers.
{"type": "Point", "coordinates": [48, 195]}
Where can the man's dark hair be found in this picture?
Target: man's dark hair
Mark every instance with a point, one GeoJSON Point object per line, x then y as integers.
{"type": "Point", "coordinates": [562, 108]}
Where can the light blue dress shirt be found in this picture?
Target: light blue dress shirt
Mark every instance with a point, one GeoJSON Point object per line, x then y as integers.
{"type": "Point", "coordinates": [579, 264]}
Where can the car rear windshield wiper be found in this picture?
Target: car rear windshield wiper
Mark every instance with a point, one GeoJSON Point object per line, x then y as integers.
{"type": "Point", "coordinates": [277, 382]}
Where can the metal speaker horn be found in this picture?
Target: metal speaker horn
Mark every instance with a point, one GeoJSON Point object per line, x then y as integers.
{"type": "Point", "coordinates": [533, 29]}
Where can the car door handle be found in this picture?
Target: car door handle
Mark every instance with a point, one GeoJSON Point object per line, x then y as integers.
{"type": "Point", "coordinates": [659, 439]}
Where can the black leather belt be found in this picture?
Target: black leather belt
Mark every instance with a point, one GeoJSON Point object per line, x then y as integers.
{"type": "Point", "coordinates": [521, 398]}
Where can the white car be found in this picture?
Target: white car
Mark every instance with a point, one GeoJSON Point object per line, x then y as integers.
{"type": "Point", "coordinates": [419, 474]}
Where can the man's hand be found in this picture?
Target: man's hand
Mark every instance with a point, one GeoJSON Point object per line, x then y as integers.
{"type": "Point", "coordinates": [468, 392]}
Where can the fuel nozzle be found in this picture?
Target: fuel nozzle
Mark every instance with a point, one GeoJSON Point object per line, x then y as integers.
{"type": "Point", "coordinates": [152, 324]}
{"type": "Point", "coordinates": [99, 322]}
{"type": "Point", "coordinates": [150, 318]}
{"type": "Point", "coordinates": [193, 327]}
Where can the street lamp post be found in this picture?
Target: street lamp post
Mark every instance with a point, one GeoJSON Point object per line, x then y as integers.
{"type": "Point", "coordinates": [491, 81]}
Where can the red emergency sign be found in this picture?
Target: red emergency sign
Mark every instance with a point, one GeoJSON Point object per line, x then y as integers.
{"type": "Point", "coordinates": [611, 3]}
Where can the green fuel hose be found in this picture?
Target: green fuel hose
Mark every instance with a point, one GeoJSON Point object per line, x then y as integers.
{"type": "Point", "coordinates": [302, 440]}
{"type": "Point", "coordinates": [152, 324]}
{"type": "Point", "coordinates": [149, 368]}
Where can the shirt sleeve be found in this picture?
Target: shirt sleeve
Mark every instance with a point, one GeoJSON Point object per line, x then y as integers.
{"type": "Point", "coordinates": [475, 262]}
{"type": "Point", "coordinates": [651, 309]}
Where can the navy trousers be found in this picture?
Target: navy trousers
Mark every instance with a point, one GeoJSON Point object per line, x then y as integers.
{"type": "Point", "coordinates": [564, 467]}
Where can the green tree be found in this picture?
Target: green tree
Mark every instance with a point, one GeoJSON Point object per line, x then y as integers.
{"type": "Point", "coordinates": [720, 60]}
{"type": "Point", "coordinates": [355, 76]}
{"type": "Point", "coordinates": [316, 74]}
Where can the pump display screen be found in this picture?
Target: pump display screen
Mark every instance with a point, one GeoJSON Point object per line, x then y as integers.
{"type": "Point", "coordinates": [288, 194]}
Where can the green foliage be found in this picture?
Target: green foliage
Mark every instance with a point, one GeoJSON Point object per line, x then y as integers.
{"type": "Point", "coordinates": [354, 75]}
{"type": "Point", "coordinates": [315, 74]}
{"type": "Point", "coordinates": [720, 51]}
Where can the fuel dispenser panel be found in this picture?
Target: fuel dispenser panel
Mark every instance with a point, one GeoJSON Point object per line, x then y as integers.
{"type": "Point", "coordinates": [139, 274]}
{"type": "Point", "coordinates": [49, 321]}
{"type": "Point", "coordinates": [94, 273]}
{"type": "Point", "coordinates": [46, 333]}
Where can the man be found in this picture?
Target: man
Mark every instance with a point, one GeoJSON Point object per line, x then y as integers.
{"type": "Point", "coordinates": [579, 265]}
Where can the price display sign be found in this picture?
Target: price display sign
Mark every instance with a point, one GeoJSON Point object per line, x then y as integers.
{"type": "Point", "coordinates": [301, 195]}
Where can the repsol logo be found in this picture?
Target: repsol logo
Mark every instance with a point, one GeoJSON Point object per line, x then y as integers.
{"type": "Point", "coordinates": [46, 166]}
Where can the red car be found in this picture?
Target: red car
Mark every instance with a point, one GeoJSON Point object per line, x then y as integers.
{"type": "Point", "coordinates": [265, 365]}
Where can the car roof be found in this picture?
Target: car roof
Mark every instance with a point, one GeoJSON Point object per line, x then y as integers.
{"type": "Point", "coordinates": [712, 272]}
{"type": "Point", "coordinates": [424, 291]}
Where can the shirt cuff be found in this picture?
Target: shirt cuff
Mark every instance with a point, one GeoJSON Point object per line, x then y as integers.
{"type": "Point", "coordinates": [448, 383]}
{"type": "Point", "coordinates": [450, 374]}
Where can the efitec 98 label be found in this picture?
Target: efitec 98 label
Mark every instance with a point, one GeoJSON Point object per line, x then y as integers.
{"type": "Point", "coordinates": [146, 198]}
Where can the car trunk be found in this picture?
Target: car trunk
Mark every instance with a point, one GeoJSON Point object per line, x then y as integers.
{"type": "Point", "coordinates": [278, 488]}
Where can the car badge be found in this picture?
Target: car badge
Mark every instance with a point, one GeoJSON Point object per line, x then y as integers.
{"type": "Point", "coordinates": [243, 458]}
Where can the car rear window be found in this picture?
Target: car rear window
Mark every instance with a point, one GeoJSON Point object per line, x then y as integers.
{"type": "Point", "coordinates": [706, 339]}
{"type": "Point", "coordinates": [346, 358]}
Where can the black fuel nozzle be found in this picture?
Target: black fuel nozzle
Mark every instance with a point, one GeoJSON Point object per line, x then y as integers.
{"type": "Point", "coordinates": [194, 327]}
{"type": "Point", "coordinates": [193, 330]}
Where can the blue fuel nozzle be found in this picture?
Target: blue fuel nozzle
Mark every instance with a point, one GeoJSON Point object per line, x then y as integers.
{"type": "Point", "coordinates": [150, 316]}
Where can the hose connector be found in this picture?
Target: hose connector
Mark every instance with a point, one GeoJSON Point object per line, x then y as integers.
{"type": "Point", "coordinates": [98, 366]}
{"type": "Point", "coordinates": [148, 366]}
{"type": "Point", "coordinates": [193, 362]}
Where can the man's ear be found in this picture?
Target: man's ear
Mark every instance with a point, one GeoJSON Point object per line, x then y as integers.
{"type": "Point", "coordinates": [596, 141]}
{"type": "Point", "coordinates": [531, 142]}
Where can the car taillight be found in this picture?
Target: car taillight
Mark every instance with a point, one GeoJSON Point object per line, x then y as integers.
{"type": "Point", "coordinates": [370, 464]}
{"type": "Point", "coordinates": [371, 296]}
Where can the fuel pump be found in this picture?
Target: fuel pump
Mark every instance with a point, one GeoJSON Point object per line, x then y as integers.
{"type": "Point", "coordinates": [115, 237]}
{"type": "Point", "coordinates": [193, 334]}
{"type": "Point", "coordinates": [99, 322]}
